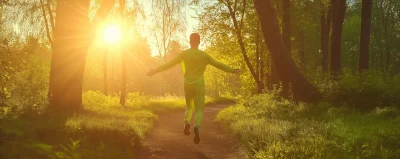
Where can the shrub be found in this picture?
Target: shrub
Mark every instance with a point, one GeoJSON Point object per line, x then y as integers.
{"type": "Point", "coordinates": [273, 128]}
{"type": "Point", "coordinates": [365, 92]}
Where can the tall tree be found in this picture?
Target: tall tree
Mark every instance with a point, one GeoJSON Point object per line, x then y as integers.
{"type": "Point", "coordinates": [366, 14]}
{"type": "Point", "coordinates": [339, 11]}
{"type": "Point", "coordinates": [46, 23]}
{"type": "Point", "coordinates": [260, 56]}
{"type": "Point", "coordinates": [302, 89]}
{"type": "Point", "coordinates": [168, 21]}
{"type": "Point", "coordinates": [302, 57]}
{"type": "Point", "coordinates": [385, 33]}
{"type": "Point", "coordinates": [238, 27]}
{"type": "Point", "coordinates": [73, 35]}
{"type": "Point", "coordinates": [286, 34]}
{"type": "Point", "coordinates": [122, 99]}
{"type": "Point", "coordinates": [105, 72]}
{"type": "Point", "coordinates": [326, 19]}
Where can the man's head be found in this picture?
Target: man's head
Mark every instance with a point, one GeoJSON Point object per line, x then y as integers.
{"type": "Point", "coordinates": [194, 40]}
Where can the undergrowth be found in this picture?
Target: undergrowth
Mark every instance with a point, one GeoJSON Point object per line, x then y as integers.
{"type": "Point", "coordinates": [169, 102]}
{"type": "Point", "coordinates": [270, 127]}
{"type": "Point", "coordinates": [365, 92]}
{"type": "Point", "coordinates": [102, 129]}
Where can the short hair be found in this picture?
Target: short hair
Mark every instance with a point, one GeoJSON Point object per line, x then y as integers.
{"type": "Point", "coordinates": [194, 37]}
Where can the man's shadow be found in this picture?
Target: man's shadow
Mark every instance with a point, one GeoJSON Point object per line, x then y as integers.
{"type": "Point", "coordinates": [201, 155]}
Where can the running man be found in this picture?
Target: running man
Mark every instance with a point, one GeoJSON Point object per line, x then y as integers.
{"type": "Point", "coordinates": [194, 62]}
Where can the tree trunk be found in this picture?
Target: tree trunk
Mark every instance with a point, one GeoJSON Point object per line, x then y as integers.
{"type": "Point", "coordinates": [366, 14]}
{"type": "Point", "coordinates": [46, 23]}
{"type": "Point", "coordinates": [302, 51]}
{"type": "Point", "coordinates": [259, 60]}
{"type": "Point", "coordinates": [70, 46]}
{"type": "Point", "coordinates": [123, 56]}
{"type": "Point", "coordinates": [262, 72]}
{"type": "Point", "coordinates": [286, 25]}
{"type": "Point", "coordinates": [105, 73]}
{"type": "Point", "coordinates": [50, 14]}
{"type": "Point", "coordinates": [268, 64]}
{"type": "Point", "coordinates": [286, 35]}
{"type": "Point", "coordinates": [339, 7]}
{"type": "Point", "coordinates": [387, 63]}
{"type": "Point", "coordinates": [273, 75]}
{"type": "Point", "coordinates": [302, 89]}
{"type": "Point", "coordinates": [326, 19]}
{"type": "Point", "coordinates": [73, 35]}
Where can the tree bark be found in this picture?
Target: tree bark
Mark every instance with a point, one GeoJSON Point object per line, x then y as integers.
{"type": "Point", "coordinates": [286, 36]}
{"type": "Point", "coordinates": [259, 59]}
{"type": "Point", "coordinates": [302, 89]}
{"type": "Point", "coordinates": [302, 51]}
{"type": "Point", "coordinates": [326, 19]}
{"type": "Point", "coordinates": [274, 76]}
{"type": "Point", "coordinates": [268, 80]}
{"type": "Point", "coordinates": [366, 15]}
{"type": "Point", "coordinates": [339, 7]}
{"type": "Point", "coordinates": [73, 34]}
{"type": "Point", "coordinates": [262, 65]}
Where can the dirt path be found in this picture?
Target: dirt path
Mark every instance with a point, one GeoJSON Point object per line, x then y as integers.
{"type": "Point", "coordinates": [168, 141]}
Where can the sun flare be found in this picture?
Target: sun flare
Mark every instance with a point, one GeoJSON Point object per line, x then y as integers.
{"type": "Point", "coordinates": [112, 34]}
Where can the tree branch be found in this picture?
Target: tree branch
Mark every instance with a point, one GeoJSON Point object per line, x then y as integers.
{"type": "Point", "coordinates": [50, 14]}
{"type": "Point", "coordinates": [241, 43]}
{"type": "Point", "coordinates": [46, 23]}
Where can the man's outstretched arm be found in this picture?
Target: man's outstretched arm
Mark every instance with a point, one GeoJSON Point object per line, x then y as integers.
{"type": "Point", "coordinates": [221, 66]}
{"type": "Point", "coordinates": [166, 66]}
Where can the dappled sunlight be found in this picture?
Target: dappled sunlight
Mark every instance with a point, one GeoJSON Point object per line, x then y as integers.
{"type": "Point", "coordinates": [265, 79]}
{"type": "Point", "coordinates": [279, 129]}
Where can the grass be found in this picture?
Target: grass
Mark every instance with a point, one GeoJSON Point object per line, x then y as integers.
{"type": "Point", "coordinates": [270, 127]}
{"type": "Point", "coordinates": [168, 103]}
{"type": "Point", "coordinates": [102, 129]}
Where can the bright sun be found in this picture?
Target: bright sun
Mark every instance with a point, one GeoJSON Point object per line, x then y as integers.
{"type": "Point", "coordinates": [112, 34]}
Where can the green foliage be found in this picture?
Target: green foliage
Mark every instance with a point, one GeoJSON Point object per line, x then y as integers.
{"type": "Point", "coordinates": [24, 78]}
{"type": "Point", "coordinates": [221, 101]}
{"type": "Point", "coordinates": [270, 127]}
{"type": "Point", "coordinates": [102, 129]}
{"type": "Point", "coordinates": [217, 28]}
{"type": "Point", "coordinates": [105, 113]}
{"type": "Point", "coordinates": [166, 103]}
{"type": "Point", "coordinates": [267, 125]}
{"type": "Point", "coordinates": [365, 92]}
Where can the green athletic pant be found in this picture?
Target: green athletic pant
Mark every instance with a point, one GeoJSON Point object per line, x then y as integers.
{"type": "Point", "coordinates": [195, 97]}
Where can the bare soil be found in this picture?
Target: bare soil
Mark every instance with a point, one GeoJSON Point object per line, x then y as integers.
{"type": "Point", "coordinates": [167, 141]}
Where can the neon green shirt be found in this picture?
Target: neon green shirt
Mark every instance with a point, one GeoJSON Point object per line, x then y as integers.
{"type": "Point", "coordinates": [194, 62]}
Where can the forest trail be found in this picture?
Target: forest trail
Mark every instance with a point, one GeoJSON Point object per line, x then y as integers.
{"type": "Point", "coordinates": [167, 141]}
